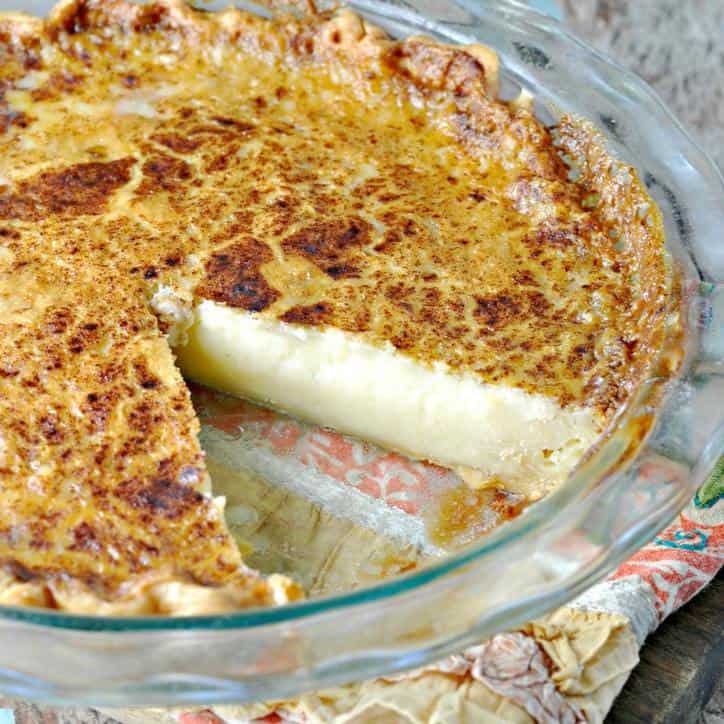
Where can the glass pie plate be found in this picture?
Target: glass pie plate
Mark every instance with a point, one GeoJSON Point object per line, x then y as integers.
{"type": "Point", "coordinates": [642, 473]}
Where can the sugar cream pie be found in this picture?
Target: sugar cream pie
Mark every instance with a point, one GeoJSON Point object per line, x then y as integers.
{"type": "Point", "coordinates": [307, 213]}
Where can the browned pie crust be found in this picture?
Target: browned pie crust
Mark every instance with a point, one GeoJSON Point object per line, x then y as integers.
{"type": "Point", "coordinates": [365, 184]}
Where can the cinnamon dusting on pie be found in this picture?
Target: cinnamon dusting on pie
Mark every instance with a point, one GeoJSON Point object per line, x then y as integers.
{"type": "Point", "coordinates": [223, 156]}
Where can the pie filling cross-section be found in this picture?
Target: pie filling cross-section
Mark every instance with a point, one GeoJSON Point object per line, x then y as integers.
{"type": "Point", "coordinates": [307, 213]}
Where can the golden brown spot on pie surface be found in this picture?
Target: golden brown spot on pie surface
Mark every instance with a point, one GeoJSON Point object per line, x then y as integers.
{"type": "Point", "coordinates": [447, 227]}
{"type": "Point", "coordinates": [161, 496]}
{"type": "Point", "coordinates": [312, 314]}
{"type": "Point", "coordinates": [9, 118]}
{"type": "Point", "coordinates": [496, 311]}
{"type": "Point", "coordinates": [331, 245]}
{"type": "Point", "coordinates": [80, 189]}
{"type": "Point", "coordinates": [57, 85]}
{"type": "Point", "coordinates": [164, 173]}
{"type": "Point", "coordinates": [233, 277]}
{"type": "Point", "coordinates": [176, 142]}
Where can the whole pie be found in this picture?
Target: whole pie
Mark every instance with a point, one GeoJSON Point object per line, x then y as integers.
{"type": "Point", "coordinates": [345, 227]}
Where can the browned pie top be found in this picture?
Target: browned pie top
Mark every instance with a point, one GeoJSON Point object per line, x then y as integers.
{"type": "Point", "coordinates": [308, 170]}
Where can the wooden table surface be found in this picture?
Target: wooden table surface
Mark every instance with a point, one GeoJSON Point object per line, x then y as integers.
{"type": "Point", "coordinates": [681, 665]}
{"type": "Point", "coordinates": [678, 47]}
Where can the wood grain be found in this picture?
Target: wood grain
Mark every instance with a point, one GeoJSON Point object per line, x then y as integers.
{"type": "Point", "coordinates": [680, 666]}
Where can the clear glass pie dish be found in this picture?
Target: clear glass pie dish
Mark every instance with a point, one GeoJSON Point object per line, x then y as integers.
{"type": "Point", "coordinates": [641, 474]}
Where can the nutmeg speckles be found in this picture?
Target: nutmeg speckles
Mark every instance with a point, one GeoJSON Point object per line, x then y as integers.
{"type": "Point", "coordinates": [319, 178]}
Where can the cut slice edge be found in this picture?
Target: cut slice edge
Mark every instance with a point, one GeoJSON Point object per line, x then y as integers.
{"type": "Point", "coordinates": [491, 434]}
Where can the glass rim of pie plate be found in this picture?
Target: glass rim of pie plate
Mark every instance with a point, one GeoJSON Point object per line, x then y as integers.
{"type": "Point", "coordinates": [563, 74]}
